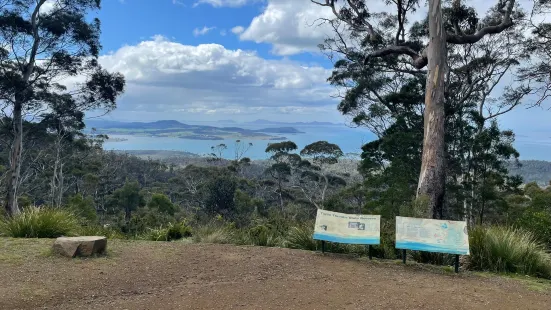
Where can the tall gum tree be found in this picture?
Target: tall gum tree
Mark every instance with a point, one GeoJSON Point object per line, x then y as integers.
{"type": "Point", "coordinates": [383, 35]}
{"type": "Point", "coordinates": [42, 44]}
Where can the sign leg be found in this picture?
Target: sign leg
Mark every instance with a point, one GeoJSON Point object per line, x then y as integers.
{"type": "Point", "coordinates": [322, 246]}
{"type": "Point", "coordinates": [456, 263]}
{"type": "Point", "coordinates": [369, 252]}
{"type": "Point", "coordinates": [404, 256]}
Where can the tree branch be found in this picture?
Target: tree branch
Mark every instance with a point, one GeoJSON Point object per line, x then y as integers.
{"type": "Point", "coordinates": [506, 22]}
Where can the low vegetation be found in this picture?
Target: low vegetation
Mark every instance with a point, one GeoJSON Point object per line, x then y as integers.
{"type": "Point", "coordinates": [504, 249]}
{"type": "Point", "coordinates": [36, 222]}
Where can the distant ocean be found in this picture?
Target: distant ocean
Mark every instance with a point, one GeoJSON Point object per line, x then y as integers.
{"type": "Point", "coordinates": [349, 139]}
{"type": "Point", "coordinates": [533, 145]}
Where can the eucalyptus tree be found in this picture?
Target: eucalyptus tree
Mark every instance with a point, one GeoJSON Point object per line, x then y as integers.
{"type": "Point", "coordinates": [49, 54]}
{"type": "Point", "coordinates": [381, 56]}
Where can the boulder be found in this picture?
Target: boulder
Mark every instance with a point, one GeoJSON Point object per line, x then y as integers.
{"type": "Point", "coordinates": [80, 246]}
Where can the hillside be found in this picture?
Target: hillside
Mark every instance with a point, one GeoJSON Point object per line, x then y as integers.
{"type": "Point", "coordinates": [172, 128]}
{"type": "Point", "coordinates": [146, 275]}
{"type": "Point", "coordinates": [532, 171]}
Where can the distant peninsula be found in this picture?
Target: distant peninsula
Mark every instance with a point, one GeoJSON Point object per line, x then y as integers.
{"type": "Point", "coordinates": [176, 129]}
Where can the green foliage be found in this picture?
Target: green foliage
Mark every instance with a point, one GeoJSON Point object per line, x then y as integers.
{"type": "Point", "coordinates": [419, 208]}
{"type": "Point", "coordinates": [171, 232]}
{"type": "Point", "coordinates": [35, 222]}
{"type": "Point", "coordinates": [97, 230]}
{"type": "Point", "coordinates": [322, 152]}
{"type": "Point", "coordinates": [215, 232]}
{"type": "Point", "coordinates": [300, 237]}
{"type": "Point", "coordinates": [24, 202]}
{"type": "Point", "coordinates": [128, 197]}
{"type": "Point", "coordinates": [83, 207]}
{"type": "Point", "coordinates": [261, 235]}
{"type": "Point", "coordinates": [162, 203]}
{"type": "Point", "coordinates": [537, 222]}
{"type": "Point", "coordinates": [504, 249]}
{"type": "Point", "coordinates": [220, 195]}
{"type": "Point", "coordinates": [432, 258]}
{"type": "Point", "coordinates": [145, 218]}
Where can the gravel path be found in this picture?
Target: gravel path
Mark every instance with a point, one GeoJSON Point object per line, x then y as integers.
{"type": "Point", "coordinates": [158, 275]}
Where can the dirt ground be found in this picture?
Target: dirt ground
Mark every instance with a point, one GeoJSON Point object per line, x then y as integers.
{"type": "Point", "coordinates": [158, 275]}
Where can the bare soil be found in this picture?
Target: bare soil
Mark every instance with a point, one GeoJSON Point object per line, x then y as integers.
{"type": "Point", "coordinates": [161, 275]}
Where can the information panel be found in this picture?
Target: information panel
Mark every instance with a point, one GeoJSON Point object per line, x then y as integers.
{"type": "Point", "coordinates": [347, 228]}
{"type": "Point", "coordinates": [432, 235]}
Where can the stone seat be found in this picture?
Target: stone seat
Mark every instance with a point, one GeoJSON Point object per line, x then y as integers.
{"type": "Point", "coordinates": [80, 246]}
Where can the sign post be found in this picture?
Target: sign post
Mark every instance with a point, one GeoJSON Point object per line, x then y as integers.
{"type": "Point", "coordinates": [347, 228]}
{"type": "Point", "coordinates": [429, 235]}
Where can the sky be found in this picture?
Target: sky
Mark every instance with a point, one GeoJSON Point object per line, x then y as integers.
{"type": "Point", "coordinates": [209, 60]}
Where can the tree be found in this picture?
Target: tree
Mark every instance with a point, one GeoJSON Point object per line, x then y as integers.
{"type": "Point", "coordinates": [314, 172]}
{"type": "Point", "coordinates": [282, 167]}
{"type": "Point", "coordinates": [129, 198]}
{"type": "Point", "coordinates": [461, 26]}
{"type": "Point", "coordinates": [38, 49]}
{"type": "Point", "coordinates": [162, 203]}
{"type": "Point", "coordinates": [220, 195]}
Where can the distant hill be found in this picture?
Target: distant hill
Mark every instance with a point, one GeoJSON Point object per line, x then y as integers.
{"type": "Point", "coordinates": [172, 128]}
{"type": "Point", "coordinates": [267, 122]}
{"type": "Point", "coordinates": [532, 171]}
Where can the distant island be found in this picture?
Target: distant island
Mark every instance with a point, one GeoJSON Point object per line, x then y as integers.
{"type": "Point", "coordinates": [267, 122]}
{"type": "Point", "coordinates": [176, 129]}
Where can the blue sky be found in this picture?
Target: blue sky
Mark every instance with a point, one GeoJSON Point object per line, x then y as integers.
{"type": "Point", "coordinates": [218, 59]}
{"type": "Point", "coordinates": [209, 60]}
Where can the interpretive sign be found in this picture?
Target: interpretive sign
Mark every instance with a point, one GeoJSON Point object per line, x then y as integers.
{"type": "Point", "coordinates": [347, 228]}
{"type": "Point", "coordinates": [432, 235]}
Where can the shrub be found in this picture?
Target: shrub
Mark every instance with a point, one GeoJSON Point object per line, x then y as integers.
{"type": "Point", "coordinates": [433, 258]}
{"type": "Point", "coordinates": [83, 207]}
{"type": "Point", "coordinates": [538, 222]}
{"type": "Point", "coordinates": [300, 237]}
{"type": "Point", "coordinates": [215, 233]}
{"type": "Point", "coordinates": [36, 222]}
{"type": "Point", "coordinates": [504, 249]}
{"type": "Point", "coordinates": [261, 235]}
{"type": "Point", "coordinates": [171, 232]}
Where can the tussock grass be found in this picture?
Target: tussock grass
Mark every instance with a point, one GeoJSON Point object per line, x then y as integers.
{"type": "Point", "coordinates": [35, 222]}
{"type": "Point", "coordinates": [214, 233]}
{"type": "Point", "coordinates": [300, 237]}
{"type": "Point", "coordinates": [509, 250]}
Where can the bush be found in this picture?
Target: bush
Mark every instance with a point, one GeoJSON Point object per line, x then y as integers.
{"type": "Point", "coordinates": [503, 249]}
{"type": "Point", "coordinates": [538, 222]}
{"type": "Point", "coordinates": [433, 258]}
{"type": "Point", "coordinates": [300, 237]}
{"type": "Point", "coordinates": [215, 233]}
{"type": "Point", "coordinates": [169, 233]}
{"type": "Point", "coordinates": [262, 236]}
{"type": "Point", "coordinates": [84, 208]}
{"type": "Point", "coordinates": [36, 222]}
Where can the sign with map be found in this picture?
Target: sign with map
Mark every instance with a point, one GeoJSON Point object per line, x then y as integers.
{"type": "Point", "coordinates": [432, 235]}
{"type": "Point", "coordinates": [347, 228]}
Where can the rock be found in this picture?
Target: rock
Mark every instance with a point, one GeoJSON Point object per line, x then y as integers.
{"type": "Point", "coordinates": [80, 246]}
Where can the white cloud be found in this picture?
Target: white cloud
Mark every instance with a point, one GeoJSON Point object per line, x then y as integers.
{"type": "Point", "coordinates": [202, 31]}
{"type": "Point", "coordinates": [168, 79]}
{"type": "Point", "coordinates": [291, 26]}
{"type": "Point", "coordinates": [178, 2]}
{"type": "Point", "coordinates": [225, 3]}
{"type": "Point", "coordinates": [47, 7]}
{"type": "Point", "coordinates": [238, 29]}
{"type": "Point", "coordinates": [223, 32]}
